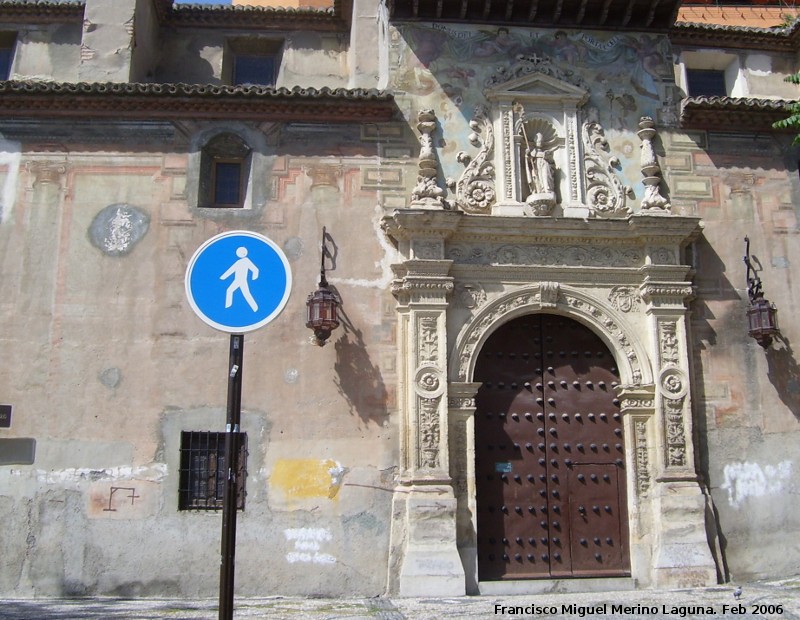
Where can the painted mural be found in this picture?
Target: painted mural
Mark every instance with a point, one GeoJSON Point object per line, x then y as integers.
{"type": "Point", "coordinates": [446, 68]}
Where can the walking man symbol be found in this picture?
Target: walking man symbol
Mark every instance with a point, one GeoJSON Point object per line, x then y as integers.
{"type": "Point", "coordinates": [240, 270]}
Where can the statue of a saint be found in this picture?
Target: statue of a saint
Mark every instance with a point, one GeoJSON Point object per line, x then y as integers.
{"type": "Point", "coordinates": [540, 167]}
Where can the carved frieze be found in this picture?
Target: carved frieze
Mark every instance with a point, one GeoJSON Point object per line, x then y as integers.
{"type": "Point", "coordinates": [668, 339]}
{"type": "Point", "coordinates": [642, 456]}
{"type": "Point", "coordinates": [428, 348]}
{"type": "Point", "coordinates": [675, 432]}
{"type": "Point", "coordinates": [540, 254]}
{"type": "Point", "coordinates": [429, 426]}
{"type": "Point", "coordinates": [528, 64]}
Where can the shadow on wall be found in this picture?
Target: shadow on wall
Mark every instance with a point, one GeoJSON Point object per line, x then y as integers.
{"type": "Point", "coordinates": [357, 378]}
{"type": "Point", "coordinates": [784, 373]}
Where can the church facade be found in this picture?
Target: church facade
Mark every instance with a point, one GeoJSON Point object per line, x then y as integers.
{"type": "Point", "coordinates": [535, 215]}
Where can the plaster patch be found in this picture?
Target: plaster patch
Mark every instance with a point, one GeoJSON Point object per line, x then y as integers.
{"type": "Point", "coordinates": [385, 264]}
{"type": "Point", "coordinates": [153, 473]}
{"type": "Point", "coordinates": [10, 157]}
{"type": "Point", "coordinates": [307, 478]}
{"type": "Point", "coordinates": [307, 543]}
{"type": "Point", "coordinates": [746, 480]}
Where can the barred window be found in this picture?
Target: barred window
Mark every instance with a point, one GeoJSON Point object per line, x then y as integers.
{"type": "Point", "coordinates": [203, 471]}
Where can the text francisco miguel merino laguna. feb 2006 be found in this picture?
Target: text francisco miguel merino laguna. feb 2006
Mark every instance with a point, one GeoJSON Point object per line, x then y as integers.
{"type": "Point", "coordinates": [681, 611]}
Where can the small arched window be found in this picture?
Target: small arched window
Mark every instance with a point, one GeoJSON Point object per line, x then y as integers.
{"type": "Point", "coordinates": [224, 172]}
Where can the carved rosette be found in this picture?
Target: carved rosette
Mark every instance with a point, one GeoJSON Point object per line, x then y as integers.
{"type": "Point", "coordinates": [547, 295]}
{"type": "Point", "coordinates": [605, 194]}
{"type": "Point", "coordinates": [475, 188]}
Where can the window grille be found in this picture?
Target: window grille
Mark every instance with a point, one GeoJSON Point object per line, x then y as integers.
{"type": "Point", "coordinates": [203, 471]}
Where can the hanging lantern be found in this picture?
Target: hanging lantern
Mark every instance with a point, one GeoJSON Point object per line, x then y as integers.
{"type": "Point", "coordinates": [762, 316]}
{"type": "Point", "coordinates": [322, 306]}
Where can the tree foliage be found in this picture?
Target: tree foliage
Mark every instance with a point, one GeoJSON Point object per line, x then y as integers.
{"type": "Point", "coordinates": [793, 120]}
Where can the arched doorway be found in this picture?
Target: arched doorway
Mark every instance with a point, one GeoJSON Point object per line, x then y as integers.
{"type": "Point", "coordinates": [549, 454]}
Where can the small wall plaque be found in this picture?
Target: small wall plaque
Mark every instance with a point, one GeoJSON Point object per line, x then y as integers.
{"type": "Point", "coordinates": [503, 468]}
{"type": "Point", "coordinates": [5, 416]}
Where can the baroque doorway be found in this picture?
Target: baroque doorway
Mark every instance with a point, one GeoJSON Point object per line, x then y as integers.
{"type": "Point", "coordinates": [549, 454]}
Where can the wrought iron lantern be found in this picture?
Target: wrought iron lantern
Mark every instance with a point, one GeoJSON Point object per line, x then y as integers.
{"type": "Point", "coordinates": [322, 306]}
{"type": "Point", "coordinates": [762, 316]}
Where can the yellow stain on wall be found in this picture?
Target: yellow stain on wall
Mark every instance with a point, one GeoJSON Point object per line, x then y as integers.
{"type": "Point", "coordinates": [307, 478]}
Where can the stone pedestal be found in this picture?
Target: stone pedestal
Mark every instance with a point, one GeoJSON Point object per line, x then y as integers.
{"type": "Point", "coordinates": [682, 554]}
{"type": "Point", "coordinates": [431, 563]}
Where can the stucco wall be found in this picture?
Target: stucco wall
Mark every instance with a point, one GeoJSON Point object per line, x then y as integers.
{"type": "Point", "coordinates": [47, 52]}
{"type": "Point", "coordinates": [748, 412]}
{"type": "Point", "coordinates": [112, 364]}
{"type": "Point", "coordinates": [307, 59]}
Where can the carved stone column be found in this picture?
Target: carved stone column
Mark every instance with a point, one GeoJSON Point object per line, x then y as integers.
{"type": "Point", "coordinates": [424, 559]}
{"type": "Point", "coordinates": [682, 557]}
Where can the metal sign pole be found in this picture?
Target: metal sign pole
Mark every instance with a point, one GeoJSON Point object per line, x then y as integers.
{"type": "Point", "coordinates": [229, 503]}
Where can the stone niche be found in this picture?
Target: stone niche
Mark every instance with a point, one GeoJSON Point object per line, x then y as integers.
{"type": "Point", "coordinates": [541, 152]}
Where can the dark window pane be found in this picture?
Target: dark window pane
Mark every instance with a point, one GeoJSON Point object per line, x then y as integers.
{"type": "Point", "coordinates": [5, 62]}
{"type": "Point", "coordinates": [227, 183]}
{"type": "Point", "coordinates": [254, 70]}
{"type": "Point", "coordinates": [703, 82]}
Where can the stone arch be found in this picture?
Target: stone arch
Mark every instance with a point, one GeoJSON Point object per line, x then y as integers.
{"type": "Point", "coordinates": [552, 297]}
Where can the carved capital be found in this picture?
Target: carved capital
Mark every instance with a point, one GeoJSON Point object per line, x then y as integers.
{"type": "Point", "coordinates": [667, 293]}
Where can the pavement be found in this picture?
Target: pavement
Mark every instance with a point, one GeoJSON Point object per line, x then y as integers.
{"type": "Point", "coordinates": [774, 599]}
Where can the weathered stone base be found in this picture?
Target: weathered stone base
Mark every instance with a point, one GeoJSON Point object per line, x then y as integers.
{"type": "Point", "coordinates": [426, 521]}
{"type": "Point", "coordinates": [682, 556]}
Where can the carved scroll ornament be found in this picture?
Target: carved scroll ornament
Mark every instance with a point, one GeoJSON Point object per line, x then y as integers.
{"type": "Point", "coordinates": [475, 189]}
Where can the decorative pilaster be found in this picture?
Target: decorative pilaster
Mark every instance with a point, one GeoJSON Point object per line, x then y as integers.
{"type": "Point", "coordinates": [682, 557]}
{"type": "Point", "coordinates": [424, 557]}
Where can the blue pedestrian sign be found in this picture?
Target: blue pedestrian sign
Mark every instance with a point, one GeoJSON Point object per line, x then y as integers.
{"type": "Point", "coordinates": [238, 281]}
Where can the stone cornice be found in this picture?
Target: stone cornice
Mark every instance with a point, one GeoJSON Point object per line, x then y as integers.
{"type": "Point", "coordinates": [405, 224]}
{"type": "Point", "coordinates": [28, 99]}
{"type": "Point", "coordinates": [458, 226]}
